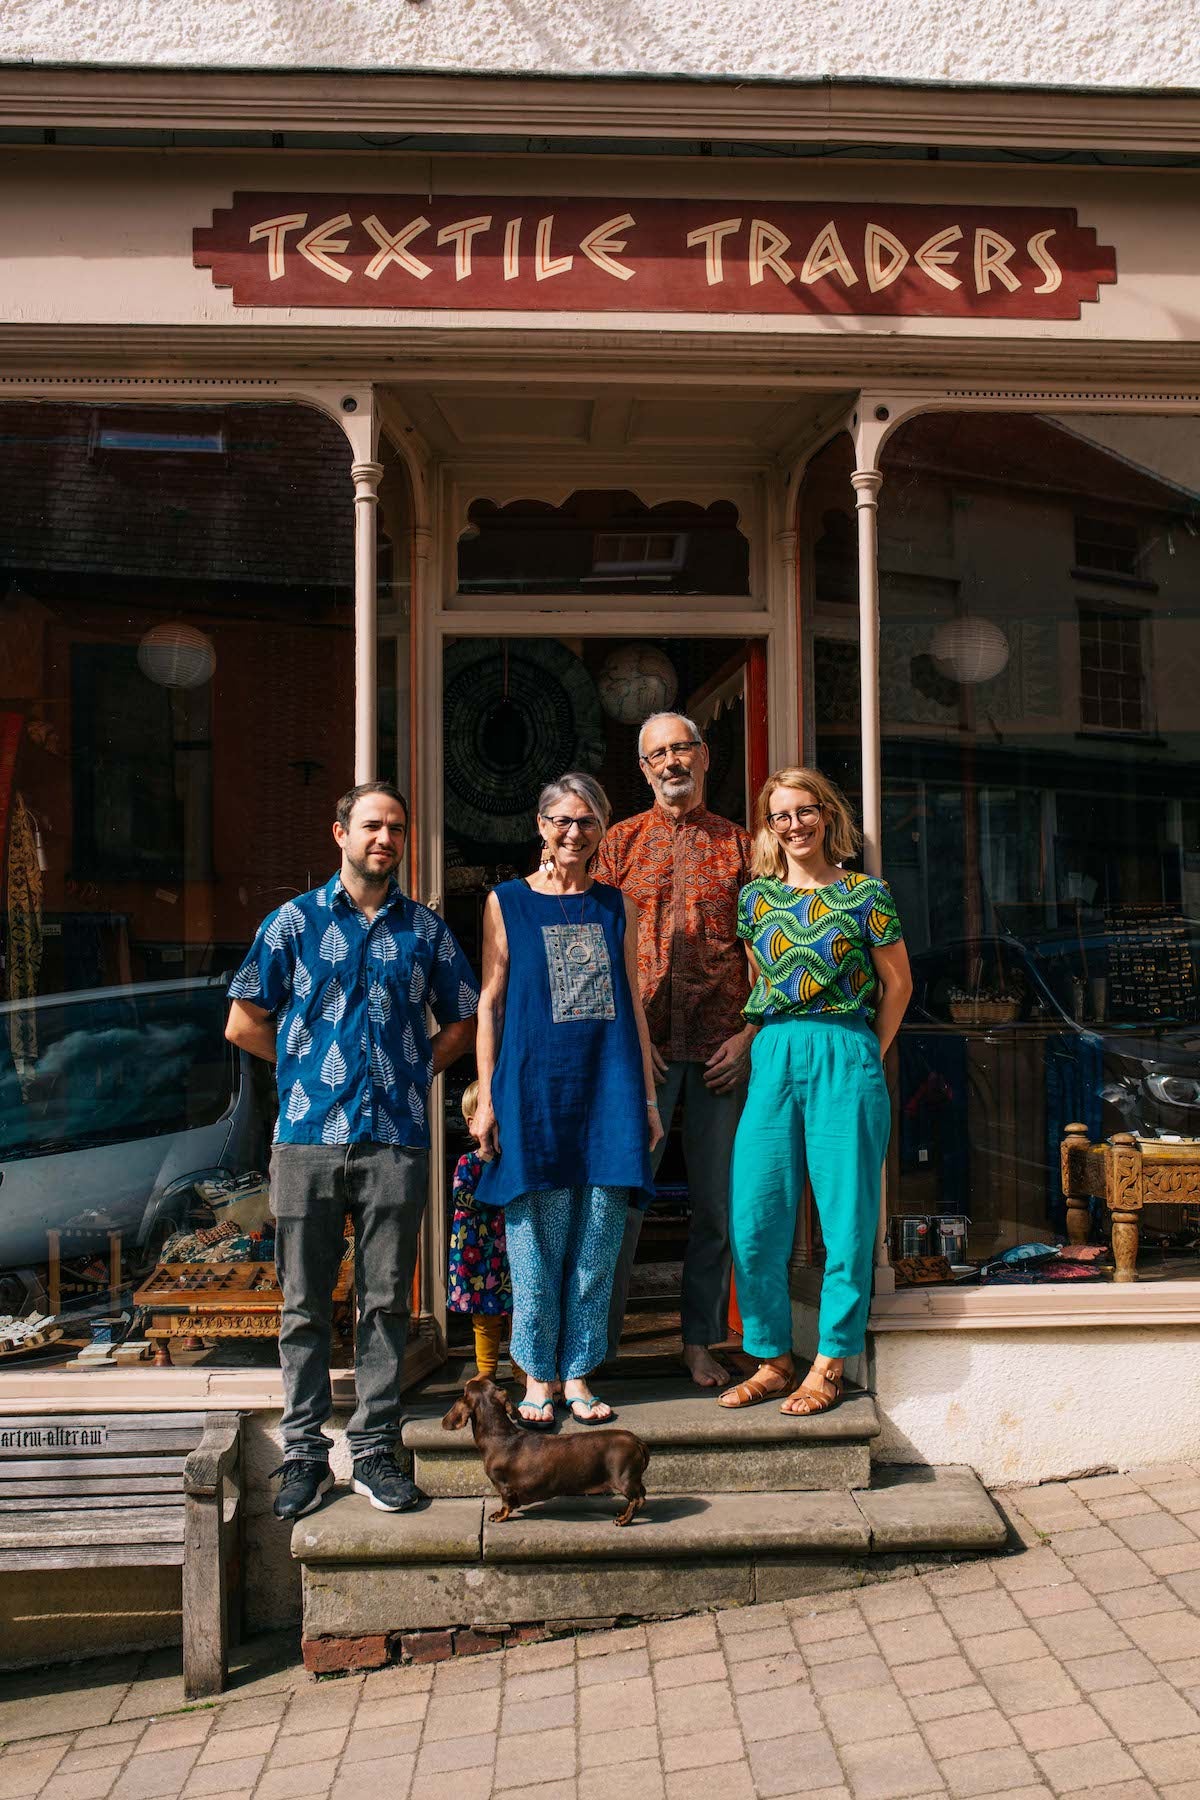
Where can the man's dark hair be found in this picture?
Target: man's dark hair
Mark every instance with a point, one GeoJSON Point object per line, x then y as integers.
{"type": "Point", "coordinates": [348, 802]}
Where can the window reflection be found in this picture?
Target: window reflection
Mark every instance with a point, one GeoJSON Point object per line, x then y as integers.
{"type": "Point", "coordinates": [1040, 650]}
{"type": "Point", "coordinates": [176, 706]}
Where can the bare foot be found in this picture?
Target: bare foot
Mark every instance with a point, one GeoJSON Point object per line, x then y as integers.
{"type": "Point", "coordinates": [703, 1368]}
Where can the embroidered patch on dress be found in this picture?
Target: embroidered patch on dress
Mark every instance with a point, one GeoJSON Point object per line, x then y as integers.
{"type": "Point", "coordinates": [580, 971]}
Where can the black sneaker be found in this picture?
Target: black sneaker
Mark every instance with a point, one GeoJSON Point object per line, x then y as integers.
{"type": "Point", "coordinates": [303, 1486]}
{"type": "Point", "coordinates": [379, 1477]}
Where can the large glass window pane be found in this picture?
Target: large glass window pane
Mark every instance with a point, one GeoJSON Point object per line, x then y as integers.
{"type": "Point", "coordinates": [176, 721]}
{"type": "Point", "coordinates": [1040, 651]}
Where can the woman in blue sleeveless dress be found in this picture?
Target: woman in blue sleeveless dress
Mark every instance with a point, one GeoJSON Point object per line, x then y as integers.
{"type": "Point", "coordinates": [566, 1117]}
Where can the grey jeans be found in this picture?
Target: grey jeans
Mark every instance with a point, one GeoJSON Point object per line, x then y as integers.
{"type": "Point", "coordinates": [313, 1187]}
{"type": "Point", "coordinates": [709, 1124]}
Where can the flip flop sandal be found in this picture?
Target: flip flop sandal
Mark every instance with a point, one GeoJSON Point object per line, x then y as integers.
{"type": "Point", "coordinates": [754, 1391]}
{"type": "Point", "coordinates": [818, 1400]}
{"type": "Point", "coordinates": [544, 1410]}
{"type": "Point", "coordinates": [588, 1414]}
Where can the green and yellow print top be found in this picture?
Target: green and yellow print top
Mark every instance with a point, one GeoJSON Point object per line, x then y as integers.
{"type": "Point", "coordinates": [813, 945]}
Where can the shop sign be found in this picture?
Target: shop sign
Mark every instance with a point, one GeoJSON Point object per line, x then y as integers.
{"type": "Point", "coordinates": [691, 256]}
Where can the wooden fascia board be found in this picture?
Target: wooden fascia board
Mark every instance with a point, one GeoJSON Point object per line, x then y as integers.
{"type": "Point", "coordinates": [606, 107]}
{"type": "Point", "coordinates": [973, 371]}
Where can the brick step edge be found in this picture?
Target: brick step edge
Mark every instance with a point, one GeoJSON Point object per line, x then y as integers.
{"type": "Point", "coordinates": [351, 1655]}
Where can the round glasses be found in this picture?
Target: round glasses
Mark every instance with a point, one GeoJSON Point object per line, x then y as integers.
{"type": "Point", "coordinates": [656, 758]}
{"type": "Point", "coordinates": [803, 815]}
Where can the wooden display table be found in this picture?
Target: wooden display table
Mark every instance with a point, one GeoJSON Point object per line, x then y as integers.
{"type": "Point", "coordinates": [223, 1300]}
{"type": "Point", "coordinates": [1127, 1173]}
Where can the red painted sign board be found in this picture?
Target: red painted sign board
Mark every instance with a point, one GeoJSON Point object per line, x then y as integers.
{"type": "Point", "coordinates": [501, 253]}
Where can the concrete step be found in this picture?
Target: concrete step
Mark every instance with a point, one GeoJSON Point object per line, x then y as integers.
{"type": "Point", "coordinates": [368, 1572]}
{"type": "Point", "coordinates": [695, 1445]}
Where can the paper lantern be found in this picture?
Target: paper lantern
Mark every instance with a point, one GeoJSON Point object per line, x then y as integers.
{"type": "Point", "coordinates": [177, 656]}
{"type": "Point", "coordinates": [969, 650]}
{"type": "Point", "coordinates": [635, 681]}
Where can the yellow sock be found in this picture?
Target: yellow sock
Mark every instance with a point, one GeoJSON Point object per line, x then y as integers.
{"type": "Point", "coordinates": [488, 1328]}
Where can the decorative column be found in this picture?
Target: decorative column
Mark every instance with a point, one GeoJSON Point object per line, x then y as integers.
{"type": "Point", "coordinates": [366, 477]}
{"type": "Point", "coordinates": [867, 483]}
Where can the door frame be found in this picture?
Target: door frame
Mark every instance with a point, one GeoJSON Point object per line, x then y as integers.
{"type": "Point", "coordinates": [768, 617]}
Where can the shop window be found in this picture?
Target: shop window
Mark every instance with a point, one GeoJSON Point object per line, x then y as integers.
{"type": "Point", "coordinates": [1043, 844]}
{"type": "Point", "coordinates": [1111, 676]}
{"type": "Point", "coordinates": [603, 540]}
{"type": "Point", "coordinates": [176, 706]}
{"type": "Point", "coordinates": [1107, 547]}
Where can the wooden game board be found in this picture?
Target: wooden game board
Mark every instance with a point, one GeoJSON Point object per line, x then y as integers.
{"type": "Point", "coordinates": [222, 1300]}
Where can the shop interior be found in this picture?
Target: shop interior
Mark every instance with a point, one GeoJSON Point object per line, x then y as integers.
{"type": "Point", "coordinates": [176, 719]}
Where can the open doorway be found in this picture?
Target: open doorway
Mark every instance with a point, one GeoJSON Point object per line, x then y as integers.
{"type": "Point", "coordinates": [516, 712]}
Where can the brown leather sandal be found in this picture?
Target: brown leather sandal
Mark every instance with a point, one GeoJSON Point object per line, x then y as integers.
{"type": "Point", "coordinates": [753, 1390]}
{"type": "Point", "coordinates": [816, 1400]}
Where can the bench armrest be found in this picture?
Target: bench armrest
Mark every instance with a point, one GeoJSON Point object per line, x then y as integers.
{"type": "Point", "coordinates": [215, 1456]}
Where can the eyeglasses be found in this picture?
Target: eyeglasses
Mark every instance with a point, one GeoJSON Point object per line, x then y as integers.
{"type": "Point", "coordinates": [803, 815]}
{"type": "Point", "coordinates": [656, 758]}
{"type": "Point", "coordinates": [587, 825]}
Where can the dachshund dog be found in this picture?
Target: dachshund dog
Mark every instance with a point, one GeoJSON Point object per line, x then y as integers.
{"type": "Point", "coordinates": [524, 1466]}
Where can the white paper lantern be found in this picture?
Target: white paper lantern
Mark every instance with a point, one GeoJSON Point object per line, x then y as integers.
{"type": "Point", "coordinates": [177, 656]}
{"type": "Point", "coordinates": [635, 681]}
{"type": "Point", "coordinates": [969, 650]}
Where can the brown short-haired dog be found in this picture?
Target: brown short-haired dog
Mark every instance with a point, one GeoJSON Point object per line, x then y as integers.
{"type": "Point", "coordinates": [524, 1466]}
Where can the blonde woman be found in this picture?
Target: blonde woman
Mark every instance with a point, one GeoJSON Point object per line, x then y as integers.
{"type": "Point", "coordinates": [831, 982]}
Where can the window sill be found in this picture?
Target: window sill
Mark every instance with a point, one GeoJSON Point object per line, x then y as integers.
{"type": "Point", "coordinates": [1136, 584]}
{"type": "Point", "coordinates": [200, 1388]}
{"type": "Point", "coordinates": [1019, 1309]}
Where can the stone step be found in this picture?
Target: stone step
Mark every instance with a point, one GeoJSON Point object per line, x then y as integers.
{"type": "Point", "coordinates": [367, 1572]}
{"type": "Point", "coordinates": [695, 1445]}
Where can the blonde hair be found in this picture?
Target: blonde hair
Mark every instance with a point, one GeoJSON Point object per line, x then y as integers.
{"type": "Point", "coordinates": [470, 1100]}
{"type": "Point", "coordinates": [842, 836]}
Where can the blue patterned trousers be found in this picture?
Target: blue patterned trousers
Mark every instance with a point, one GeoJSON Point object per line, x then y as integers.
{"type": "Point", "coordinates": [563, 1245]}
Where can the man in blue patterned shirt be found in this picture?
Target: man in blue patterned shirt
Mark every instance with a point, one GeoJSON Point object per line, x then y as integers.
{"type": "Point", "coordinates": [334, 992]}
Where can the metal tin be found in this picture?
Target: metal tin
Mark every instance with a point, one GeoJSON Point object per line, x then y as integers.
{"type": "Point", "coordinates": [909, 1235]}
{"type": "Point", "coordinates": [948, 1236]}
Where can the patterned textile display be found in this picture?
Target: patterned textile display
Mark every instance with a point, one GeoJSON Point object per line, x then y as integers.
{"type": "Point", "coordinates": [813, 945]}
{"type": "Point", "coordinates": [684, 875]}
{"type": "Point", "coordinates": [479, 1277]}
{"type": "Point", "coordinates": [348, 996]}
{"type": "Point", "coordinates": [24, 886]}
{"type": "Point", "coordinates": [514, 715]}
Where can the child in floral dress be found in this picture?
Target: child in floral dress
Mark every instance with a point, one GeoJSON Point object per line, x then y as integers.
{"type": "Point", "coordinates": [479, 1283]}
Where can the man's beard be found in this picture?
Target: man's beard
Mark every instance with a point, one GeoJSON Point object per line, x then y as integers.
{"type": "Point", "coordinates": [369, 873]}
{"type": "Point", "coordinates": [677, 787]}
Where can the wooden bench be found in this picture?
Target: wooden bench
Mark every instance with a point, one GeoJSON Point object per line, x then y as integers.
{"type": "Point", "coordinates": [141, 1490]}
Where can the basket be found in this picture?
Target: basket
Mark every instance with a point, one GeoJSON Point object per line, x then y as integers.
{"type": "Point", "coordinates": [984, 1012]}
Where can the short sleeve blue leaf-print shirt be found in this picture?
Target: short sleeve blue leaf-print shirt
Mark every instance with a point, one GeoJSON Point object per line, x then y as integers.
{"type": "Point", "coordinates": [813, 945]}
{"type": "Point", "coordinates": [348, 995]}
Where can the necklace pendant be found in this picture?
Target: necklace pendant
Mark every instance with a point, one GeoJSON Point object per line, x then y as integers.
{"type": "Point", "coordinates": [578, 949]}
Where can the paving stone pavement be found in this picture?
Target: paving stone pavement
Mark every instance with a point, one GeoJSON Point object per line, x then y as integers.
{"type": "Point", "coordinates": [1069, 1666]}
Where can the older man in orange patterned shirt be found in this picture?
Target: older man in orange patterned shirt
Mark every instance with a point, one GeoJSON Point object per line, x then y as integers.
{"type": "Point", "coordinates": [684, 866]}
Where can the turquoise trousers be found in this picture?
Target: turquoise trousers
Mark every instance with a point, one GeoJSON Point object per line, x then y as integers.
{"type": "Point", "coordinates": [818, 1104]}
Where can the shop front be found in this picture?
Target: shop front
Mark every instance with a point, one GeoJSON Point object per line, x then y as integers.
{"type": "Point", "coordinates": [337, 466]}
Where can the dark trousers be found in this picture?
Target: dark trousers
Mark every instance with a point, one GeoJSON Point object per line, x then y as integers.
{"type": "Point", "coordinates": [313, 1187]}
{"type": "Point", "coordinates": [709, 1126]}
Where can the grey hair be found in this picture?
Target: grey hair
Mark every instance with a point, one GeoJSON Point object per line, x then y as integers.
{"type": "Point", "coordinates": [654, 719]}
{"type": "Point", "coordinates": [583, 787]}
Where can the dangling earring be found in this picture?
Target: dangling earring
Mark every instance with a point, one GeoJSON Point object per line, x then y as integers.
{"type": "Point", "coordinates": [547, 860]}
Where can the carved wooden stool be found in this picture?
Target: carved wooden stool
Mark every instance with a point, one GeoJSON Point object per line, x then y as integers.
{"type": "Point", "coordinates": [1127, 1173]}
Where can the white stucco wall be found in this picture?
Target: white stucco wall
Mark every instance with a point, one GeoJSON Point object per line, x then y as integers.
{"type": "Point", "coordinates": [1030, 1405]}
{"type": "Point", "coordinates": [1084, 43]}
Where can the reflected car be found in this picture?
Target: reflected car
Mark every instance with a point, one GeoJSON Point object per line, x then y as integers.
{"type": "Point", "coordinates": [1137, 1075]}
{"type": "Point", "coordinates": [113, 1101]}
